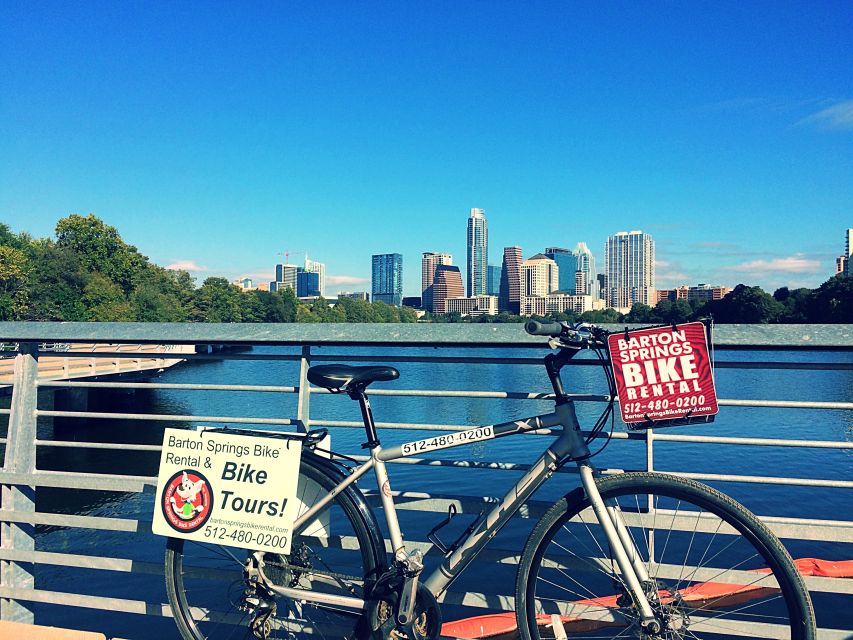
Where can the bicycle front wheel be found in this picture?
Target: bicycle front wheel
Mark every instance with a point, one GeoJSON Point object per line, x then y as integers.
{"type": "Point", "coordinates": [714, 570]}
{"type": "Point", "coordinates": [335, 553]}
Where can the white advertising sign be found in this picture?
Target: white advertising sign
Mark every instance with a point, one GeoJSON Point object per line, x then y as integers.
{"type": "Point", "coordinates": [228, 488]}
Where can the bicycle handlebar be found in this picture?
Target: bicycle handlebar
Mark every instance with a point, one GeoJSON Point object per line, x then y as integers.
{"type": "Point", "coordinates": [550, 329]}
{"type": "Point", "coordinates": [581, 334]}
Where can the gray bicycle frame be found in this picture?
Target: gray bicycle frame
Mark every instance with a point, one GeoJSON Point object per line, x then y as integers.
{"type": "Point", "coordinates": [569, 445]}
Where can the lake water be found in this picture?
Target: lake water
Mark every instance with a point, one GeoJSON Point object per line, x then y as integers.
{"type": "Point", "coordinates": [147, 550]}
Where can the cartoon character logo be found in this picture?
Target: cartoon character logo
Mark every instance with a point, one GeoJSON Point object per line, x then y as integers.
{"type": "Point", "coordinates": [186, 501]}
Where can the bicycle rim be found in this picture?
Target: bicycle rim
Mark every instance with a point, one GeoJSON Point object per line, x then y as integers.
{"type": "Point", "coordinates": [333, 554]}
{"type": "Point", "coordinates": [715, 571]}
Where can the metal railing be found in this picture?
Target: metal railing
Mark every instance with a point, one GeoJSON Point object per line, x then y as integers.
{"type": "Point", "coordinates": [20, 476]}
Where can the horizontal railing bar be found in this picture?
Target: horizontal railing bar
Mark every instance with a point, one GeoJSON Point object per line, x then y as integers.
{"type": "Point", "coordinates": [71, 444]}
{"type": "Point", "coordinates": [164, 385]}
{"type": "Point", "coordinates": [769, 442]}
{"type": "Point", "coordinates": [795, 482]}
{"type": "Point", "coordinates": [70, 480]}
{"type": "Point", "coordinates": [810, 336]}
{"type": "Point", "coordinates": [169, 355]}
{"type": "Point", "coordinates": [101, 603]}
{"type": "Point", "coordinates": [164, 417]}
{"type": "Point", "coordinates": [101, 563]}
{"type": "Point", "coordinates": [99, 523]}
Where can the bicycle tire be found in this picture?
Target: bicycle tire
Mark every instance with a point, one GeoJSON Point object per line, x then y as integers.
{"type": "Point", "coordinates": [706, 550]}
{"type": "Point", "coordinates": [205, 583]}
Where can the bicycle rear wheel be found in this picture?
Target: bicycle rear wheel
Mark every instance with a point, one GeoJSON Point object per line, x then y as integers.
{"type": "Point", "coordinates": [336, 553]}
{"type": "Point", "coordinates": [715, 570]}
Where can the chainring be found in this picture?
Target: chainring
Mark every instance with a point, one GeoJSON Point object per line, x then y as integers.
{"type": "Point", "coordinates": [382, 606]}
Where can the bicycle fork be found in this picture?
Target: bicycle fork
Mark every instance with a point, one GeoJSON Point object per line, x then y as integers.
{"type": "Point", "coordinates": [624, 551]}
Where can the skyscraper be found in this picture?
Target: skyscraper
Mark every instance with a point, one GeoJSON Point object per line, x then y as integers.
{"type": "Point", "coordinates": [307, 284]}
{"type": "Point", "coordinates": [493, 280]}
{"type": "Point", "coordinates": [848, 252]}
{"type": "Point", "coordinates": [478, 252]}
{"type": "Point", "coordinates": [509, 298]}
{"type": "Point", "coordinates": [540, 276]}
{"type": "Point", "coordinates": [447, 284]}
{"type": "Point", "coordinates": [387, 280]}
{"type": "Point", "coordinates": [429, 262]}
{"type": "Point", "coordinates": [630, 260]}
{"type": "Point", "coordinates": [285, 276]}
{"type": "Point", "coordinates": [567, 263]}
{"type": "Point", "coordinates": [586, 263]}
{"type": "Point", "coordinates": [319, 268]}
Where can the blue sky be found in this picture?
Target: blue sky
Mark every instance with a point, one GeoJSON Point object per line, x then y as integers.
{"type": "Point", "coordinates": [216, 135]}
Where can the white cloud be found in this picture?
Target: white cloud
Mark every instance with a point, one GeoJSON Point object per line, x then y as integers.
{"type": "Point", "coordinates": [346, 280]}
{"type": "Point", "coordinates": [796, 263]}
{"type": "Point", "coordinates": [838, 116]}
{"type": "Point", "coordinates": [186, 265]}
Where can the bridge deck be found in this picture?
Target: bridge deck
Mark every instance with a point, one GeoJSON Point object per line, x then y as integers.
{"type": "Point", "coordinates": [63, 367]}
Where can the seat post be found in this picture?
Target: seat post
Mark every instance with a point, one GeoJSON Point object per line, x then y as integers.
{"type": "Point", "coordinates": [366, 415]}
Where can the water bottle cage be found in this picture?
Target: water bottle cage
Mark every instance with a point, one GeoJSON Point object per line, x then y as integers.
{"type": "Point", "coordinates": [446, 550]}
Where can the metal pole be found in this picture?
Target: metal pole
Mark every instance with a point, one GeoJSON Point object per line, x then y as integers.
{"type": "Point", "coordinates": [20, 458]}
{"type": "Point", "coordinates": [303, 415]}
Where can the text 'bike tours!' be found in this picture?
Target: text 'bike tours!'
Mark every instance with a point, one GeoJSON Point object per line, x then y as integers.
{"type": "Point", "coordinates": [227, 487]}
{"type": "Point", "coordinates": [664, 374]}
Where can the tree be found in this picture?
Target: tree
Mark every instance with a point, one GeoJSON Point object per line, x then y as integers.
{"type": "Point", "coordinates": [832, 301]}
{"type": "Point", "coordinates": [407, 314]}
{"type": "Point", "coordinates": [384, 312]}
{"type": "Point", "coordinates": [56, 283]}
{"type": "Point", "coordinates": [14, 275]}
{"type": "Point", "coordinates": [606, 316]}
{"type": "Point", "coordinates": [101, 249]}
{"type": "Point", "coordinates": [218, 301]}
{"type": "Point", "coordinates": [304, 314]}
{"type": "Point", "coordinates": [325, 313]}
{"type": "Point", "coordinates": [640, 313]}
{"type": "Point", "coordinates": [745, 305]}
{"type": "Point", "coordinates": [105, 301]}
{"type": "Point", "coordinates": [796, 303]}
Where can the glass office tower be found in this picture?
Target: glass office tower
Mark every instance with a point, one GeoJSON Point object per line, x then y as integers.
{"type": "Point", "coordinates": [387, 279]}
{"type": "Point", "coordinates": [478, 253]}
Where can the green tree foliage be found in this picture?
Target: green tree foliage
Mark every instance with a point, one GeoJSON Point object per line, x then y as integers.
{"type": "Point", "coordinates": [14, 276]}
{"type": "Point", "coordinates": [745, 305]}
{"type": "Point", "coordinates": [105, 301]}
{"type": "Point", "coordinates": [57, 282]}
{"type": "Point", "coordinates": [100, 248]}
{"type": "Point", "coordinates": [218, 301]}
{"type": "Point", "coordinates": [832, 301]}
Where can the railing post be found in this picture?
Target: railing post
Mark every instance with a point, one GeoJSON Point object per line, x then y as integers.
{"type": "Point", "coordinates": [303, 415]}
{"type": "Point", "coordinates": [20, 458]}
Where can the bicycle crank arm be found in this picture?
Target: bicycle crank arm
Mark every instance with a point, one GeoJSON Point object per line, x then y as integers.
{"type": "Point", "coordinates": [406, 609]}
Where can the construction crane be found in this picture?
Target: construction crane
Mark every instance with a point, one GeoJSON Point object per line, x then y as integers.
{"type": "Point", "coordinates": [286, 253]}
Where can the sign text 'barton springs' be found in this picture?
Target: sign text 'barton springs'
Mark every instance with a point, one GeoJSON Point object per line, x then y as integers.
{"type": "Point", "coordinates": [663, 373]}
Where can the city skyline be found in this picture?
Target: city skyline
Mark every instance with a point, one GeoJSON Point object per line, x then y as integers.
{"type": "Point", "coordinates": [350, 133]}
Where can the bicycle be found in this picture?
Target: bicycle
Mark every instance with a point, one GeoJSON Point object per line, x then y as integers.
{"type": "Point", "coordinates": [632, 555]}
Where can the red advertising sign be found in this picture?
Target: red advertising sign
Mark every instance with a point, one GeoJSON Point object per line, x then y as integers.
{"type": "Point", "coordinates": [663, 373]}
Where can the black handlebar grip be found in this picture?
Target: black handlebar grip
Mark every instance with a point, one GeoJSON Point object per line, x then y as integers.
{"type": "Point", "coordinates": [550, 329]}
